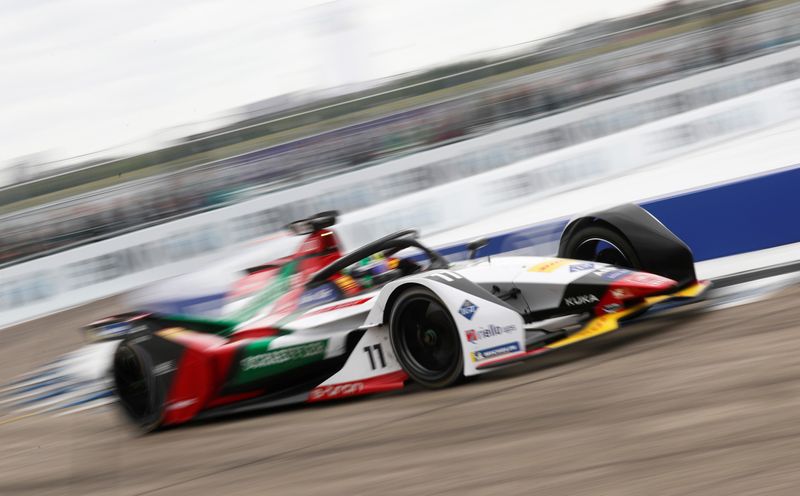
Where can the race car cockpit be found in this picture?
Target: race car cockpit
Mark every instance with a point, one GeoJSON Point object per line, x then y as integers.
{"type": "Point", "coordinates": [375, 264]}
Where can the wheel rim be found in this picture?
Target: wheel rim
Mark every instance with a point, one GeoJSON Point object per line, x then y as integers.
{"type": "Point", "coordinates": [427, 338]}
{"type": "Point", "coordinates": [604, 251]}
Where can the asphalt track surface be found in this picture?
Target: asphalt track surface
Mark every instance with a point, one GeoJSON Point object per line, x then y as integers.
{"type": "Point", "coordinates": [689, 403]}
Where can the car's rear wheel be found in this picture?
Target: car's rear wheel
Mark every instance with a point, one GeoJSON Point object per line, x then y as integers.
{"type": "Point", "coordinates": [135, 387]}
{"type": "Point", "coordinates": [425, 339]}
{"type": "Point", "coordinates": [601, 244]}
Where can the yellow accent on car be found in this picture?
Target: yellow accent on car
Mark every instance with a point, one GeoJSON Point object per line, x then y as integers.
{"type": "Point", "coordinates": [169, 332]}
{"type": "Point", "coordinates": [610, 322]}
{"type": "Point", "coordinates": [692, 291]}
{"type": "Point", "coordinates": [597, 326]}
{"type": "Point", "coordinates": [550, 265]}
{"type": "Point", "coordinates": [345, 282]}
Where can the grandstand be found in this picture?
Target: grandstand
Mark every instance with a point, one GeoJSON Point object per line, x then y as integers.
{"type": "Point", "coordinates": [266, 153]}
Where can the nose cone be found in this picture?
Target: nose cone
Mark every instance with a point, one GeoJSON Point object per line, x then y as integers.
{"type": "Point", "coordinates": [632, 289]}
{"type": "Point", "coordinates": [642, 284]}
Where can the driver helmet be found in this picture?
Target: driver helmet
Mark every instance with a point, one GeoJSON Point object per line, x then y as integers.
{"type": "Point", "coordinates": [372, 267]}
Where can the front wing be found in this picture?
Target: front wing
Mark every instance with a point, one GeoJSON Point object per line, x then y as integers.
{"type": "Point", "coordinates": [605, 324]}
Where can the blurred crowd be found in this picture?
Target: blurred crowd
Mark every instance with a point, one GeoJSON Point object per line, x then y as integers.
{"type": "Point", "coordinates": [617, 69]}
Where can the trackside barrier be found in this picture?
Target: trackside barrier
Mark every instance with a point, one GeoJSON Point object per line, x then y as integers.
{"type": "Point", "coordinates": [740, 217]}
{"type": "Point", "coordinates": [119, 264]}
{"type": "Point", "coordinates": [730, 219]}
{"type": "Point", "coordinates": [464, 201]}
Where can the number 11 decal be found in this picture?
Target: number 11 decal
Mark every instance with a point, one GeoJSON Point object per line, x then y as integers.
{"type": "Point", "coordinates": [378, 352]}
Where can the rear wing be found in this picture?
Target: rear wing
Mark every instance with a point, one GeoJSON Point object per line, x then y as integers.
{"type": "Point", "coordinates": [123, 325]}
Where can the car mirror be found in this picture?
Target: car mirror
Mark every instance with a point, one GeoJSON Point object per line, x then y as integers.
{"type": "Point", "coordinates": [476, 245]}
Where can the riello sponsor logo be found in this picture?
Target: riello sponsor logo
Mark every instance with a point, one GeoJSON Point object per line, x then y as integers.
{"type": "Point", "coordinates": [573, 301]}
{"type": "Point", "coordinates": [474, 335]}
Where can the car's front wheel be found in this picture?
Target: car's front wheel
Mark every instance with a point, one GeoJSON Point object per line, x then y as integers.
{"type": "Point", "coordinates": [601, 244]}
{"type": "Point", "coordinates": [425, 339]}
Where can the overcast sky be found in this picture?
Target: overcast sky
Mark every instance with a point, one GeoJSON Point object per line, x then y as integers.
{"type": "Point", "coordinates": [83, 75]}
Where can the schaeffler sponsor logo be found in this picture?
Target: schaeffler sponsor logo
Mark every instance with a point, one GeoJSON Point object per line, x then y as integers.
{"type": "Point", "coordinates": [611, 273]}
{"type": "Point", "coordinates": [490, 331]}
{"type": "Point", "coordinates": [337, 391]}
{"type": "Point", "coordinates": [574, 301]}
{"type": "Point", "coordinates": [468, 309]}
{"type": "Point", "coordinates": [497, 351]}
{"type": "Point", "coordinates": [280, 356]}
{"type": "Point", "coordinates": [581, 267]}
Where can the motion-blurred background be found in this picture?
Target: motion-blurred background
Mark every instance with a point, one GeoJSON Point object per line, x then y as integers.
{"type": "Point", "coordinates": [145, 139]}
{"type": "Point", "coordinates": [321, 89]}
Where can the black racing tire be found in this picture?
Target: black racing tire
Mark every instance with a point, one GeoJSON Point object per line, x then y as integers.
{"type": "Point", "coordinates": [136, 388]}
{"type": "Point", "coordinates": [425, 339]}
{"type": "Point", "coordinates": [598, 243]}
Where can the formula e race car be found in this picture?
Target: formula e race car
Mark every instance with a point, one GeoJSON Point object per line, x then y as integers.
{"type": "Point", "coordinates": [321, 325]}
